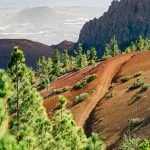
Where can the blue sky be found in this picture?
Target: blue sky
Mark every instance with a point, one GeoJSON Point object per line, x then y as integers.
{"type": "Point", "coordinates": [94, 3]}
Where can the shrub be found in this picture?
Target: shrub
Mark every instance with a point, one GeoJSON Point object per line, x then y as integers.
{"type": "Point", "coordinates": [42, 85]}
{"type": "Point", "coordinates": [125, 79]}
{"type": "Point", "coordinates": [138, 74]}
{"type": "Point", "coordinates": [59, 91]}
{"type": "Point", "coordinates": [110, 95]}
{"type": "Point", "coordinates": [129, 143]}
{"type": "Point", "coordinates": [136, 98]}
{"type": "Point", "coordinates": [81, 97]}
{"type": "Point", "coordinates": [139, 82]}
{"type": "Point", "coordinates": [135, 122]}
{"type": "Point", "coordinates": [84, 81]}
{"type": "Point", "coordinates": [144, 87]}
{"type": "Point", "coordinates": [90, 78]}
{"type": "Point", "coordinates": [145, 145]}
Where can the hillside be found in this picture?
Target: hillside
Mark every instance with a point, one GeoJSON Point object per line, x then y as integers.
{"type": "Point", "coordinates": [126, 19]}
{"type": "Point", "coordinates": [108, 117]}
{"type": "Point", "coordinates": [32, 50]}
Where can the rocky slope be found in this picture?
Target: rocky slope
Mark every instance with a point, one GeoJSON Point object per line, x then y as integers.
{"type": "Point", "coordinates": [32, 50]}
{"type": "Point", "coordinates": [126, 19]}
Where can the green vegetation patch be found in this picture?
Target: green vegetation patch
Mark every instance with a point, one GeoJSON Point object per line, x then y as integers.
{"type": "Point", "coordinates": [81, 97]}
{"type": "Point", "coordinates": [138, 74]}
{"type": "Point", "coordinates": [84, 81]}
{"type": "Point", "coordinates": [110, 94]}
{"type": "Point", "coordinates": [135, 122]}
{"type": "Point", "coordinates": [145, 145]}
{"type": "Point", "coordinates": [59, 91]}
{"type": "Point", "coordinates": [144, 87]}
{"type": "Point", "coordinates": [137, 84]}
{"type": "Point", "coordinates": [125, 79]}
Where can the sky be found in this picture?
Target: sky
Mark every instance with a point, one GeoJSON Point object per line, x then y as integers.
{"type": "Point", "coordinates": [52, 3]}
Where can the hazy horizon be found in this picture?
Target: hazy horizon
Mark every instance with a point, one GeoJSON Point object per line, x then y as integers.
{"type": "Point", "coordinates": [47, 25]}
{"type": "Point", "coordinates": [18, 3]}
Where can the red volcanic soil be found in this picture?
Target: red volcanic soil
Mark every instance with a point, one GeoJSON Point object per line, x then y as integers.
{"type": "Point", "coordinates": [105, 72]}
{"type": "Point", "coordinates": [108, 117]}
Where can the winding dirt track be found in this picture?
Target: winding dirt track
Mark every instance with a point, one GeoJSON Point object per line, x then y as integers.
{"type": "Point", "coordinates": [105, 71]}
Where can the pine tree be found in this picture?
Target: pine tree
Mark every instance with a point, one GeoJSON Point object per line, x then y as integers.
{"type": "Point", "coordinates": [94, 143]}
{"type": "Point", "coordinates": [107, 51]}
{"type": "Point", "coordinates": [128, 50]}
{"type": "Point", "coordinates": [72, 63]}
{"type": "Point", "coordinates": [66, 60]}
{"type": "Point", "coordinates": [92, 56]}
{"type": "Point", "coordinates": [29, 123]}
{"type": "Point", "coordinates": [18, 72]}
{"type": "Point", "coordinates": [140, 43]}
{"type": "Point", "coordinates": [79, 53]}
{"type": "Point", "coordinates": [5, 93]}
{"type": "Point", "coordinates": [65, 131]}
{"type": "Point", "coordinates": [114, 47]}
{"type": "Point", "coordinates": [7, 142]}
{"type": "Point", "coordinates": [45, 71]}
{"type": "Point", "coordinates": [84, 62]}
{"type": "Point", "coordinates": [57, 66]}
{"type": "Point", "coordinates": [81, 59]}
{"type": "Point", "coordinates": [147, 44]}
{"type": "Point", "coordinates": [133, 47]}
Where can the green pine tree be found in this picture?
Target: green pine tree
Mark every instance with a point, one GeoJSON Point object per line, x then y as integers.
{"type": "Point", "coordinates": [45, 71]}
{"type": "Point", "coordinates": [92, 56]}
{"type": "Point", "coordinates": [114, 47]}
{"type": "Point", "coordinates": [57, 66]}
{"type": "Point", "coordinates": [107, 51]}
{"type": "Point", "coordinates": [65, 131]}
{"type": "Point", "coordinates": [72, 63]}
{"type": "Point", "coordinates": [66, 61]}
{"type": "Point", "coordinates": [94, 143]}
{"type": "Point", "coordinates": [81, 59]}
{"type": "Point", "coordinates": [140, 43]}
{"type": "Point", "coordinates": [7, 142]}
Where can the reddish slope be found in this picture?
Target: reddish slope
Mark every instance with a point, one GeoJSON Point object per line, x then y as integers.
{"type": "Point", "coordinates": [105, 71]}
{"type": "Point", "coordinates": [110, 117]}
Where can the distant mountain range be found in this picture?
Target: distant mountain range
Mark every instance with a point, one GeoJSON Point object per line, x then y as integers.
{"type": "Point", "coordinates": [126, 19]}
{"type": "Point", "coordinates": [33, 50]}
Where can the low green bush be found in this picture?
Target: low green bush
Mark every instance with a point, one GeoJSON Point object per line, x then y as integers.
{"type": "Point", "coordinates": [136, 98]}
{"type": "Point", "coordinates": [145, 145]}
{"type": "Point", "coordinates": [81, 97]}
{"type": "Point", "coordinates": [135, 122]}
{"type": "Point", "coordinates": [144, 87]}
{"type": "Point", "coordinates": [59, 91]}
{"type": "Point", "coordinates": [125, 79]}
{"type": "Point", "coordinates": [84, 81]}
{"type": "Point", "coordinates": [137, 84]}
{"type": "Point", "coordinates": [129, 142]}
{"type": "Point", "coordinates": [110, 95]}
{"type": "Point", "coordinates": [138, 74]}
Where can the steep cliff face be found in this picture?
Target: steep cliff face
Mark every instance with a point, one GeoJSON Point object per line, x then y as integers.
{"type": "Point", "coordinates": [126, 19]}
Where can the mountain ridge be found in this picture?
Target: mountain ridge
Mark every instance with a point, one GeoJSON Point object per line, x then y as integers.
{"type": "Point", "coordinates": [125, 19]}
{"type": "Point", "coordinates": [33, 50]}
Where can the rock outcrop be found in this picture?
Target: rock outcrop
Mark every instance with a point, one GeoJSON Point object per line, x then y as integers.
{"type": "Point", "coordinates": [126, 19]}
